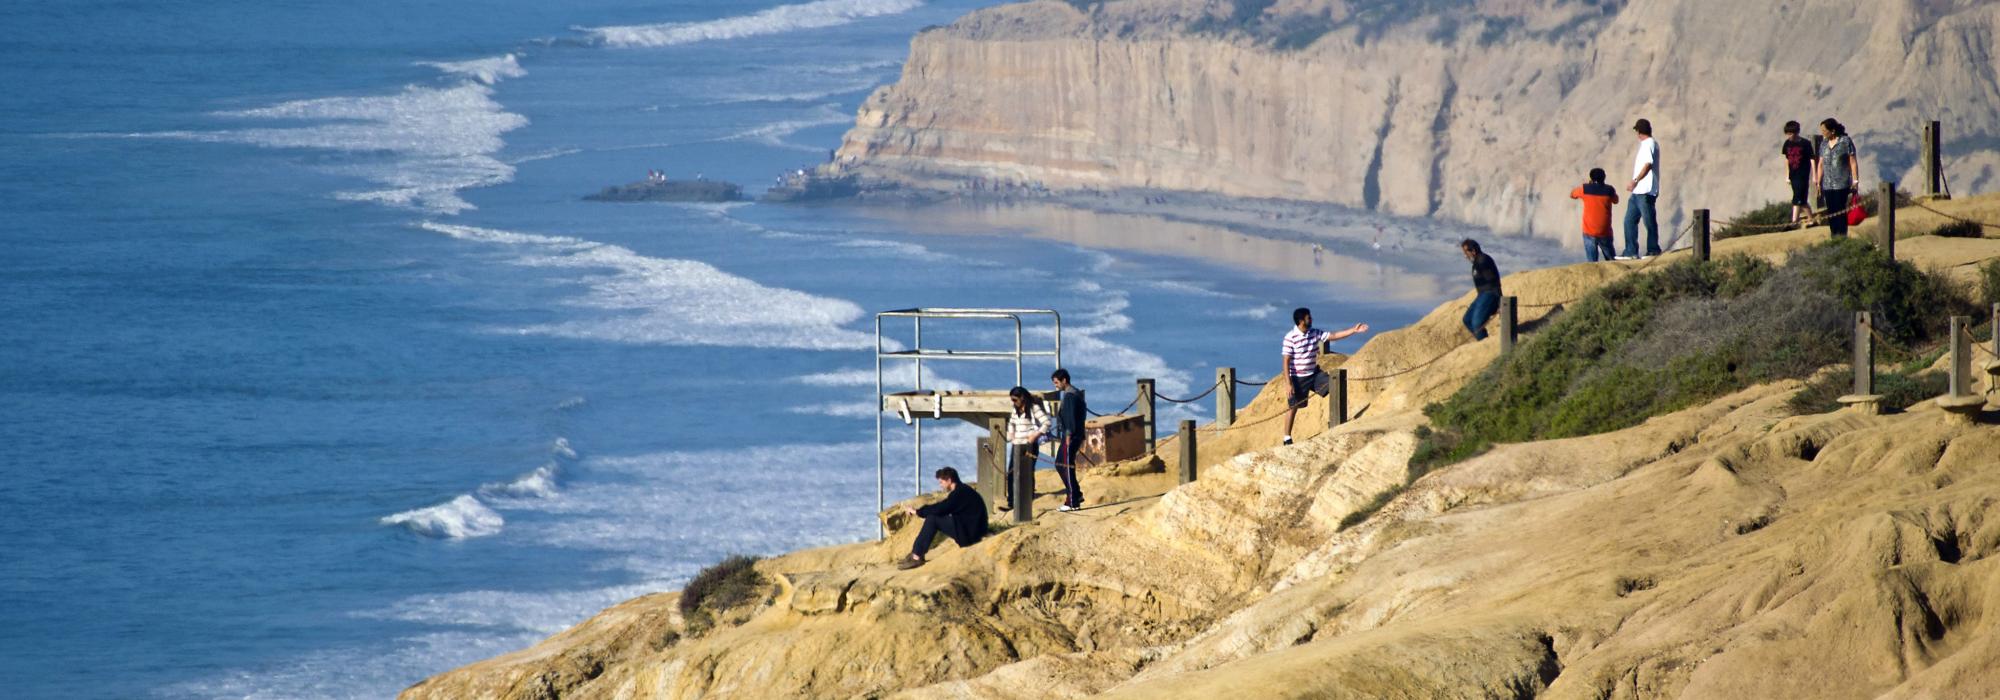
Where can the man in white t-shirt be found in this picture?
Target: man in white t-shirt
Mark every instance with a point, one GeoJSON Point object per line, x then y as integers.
{"type": "Point", "coordinates": [1302, 347]}
{"type": "Point", "coordinates": [1645, 188]}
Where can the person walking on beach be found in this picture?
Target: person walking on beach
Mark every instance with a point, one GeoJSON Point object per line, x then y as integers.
{"type": "Point", "coordinates": [1597, 200]}
{"type": "Point", "coordinates": [1302, 348]}
{"type": "Point", "coordinates": [1799, 162]}
{"type": "Point", "coordinates": [960, 516]}
{"type": "Point", "coordinates": [1068, 435]}
{"type": "Point", "coordinates": [1645, 189]}
{"type": "Point", "coordinates": [1026, 427]}
{"type": "Point", "coordinates": [1838, 170]}
{"type": "Point", "coordinates": [1485, 281]}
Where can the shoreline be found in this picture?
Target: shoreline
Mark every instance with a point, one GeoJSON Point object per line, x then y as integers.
{"type": "Point", "coordinates": [1411, 261]}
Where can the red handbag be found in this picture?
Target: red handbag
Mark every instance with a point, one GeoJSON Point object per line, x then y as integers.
{"type": "Point", "coordinates": [1856, 215]}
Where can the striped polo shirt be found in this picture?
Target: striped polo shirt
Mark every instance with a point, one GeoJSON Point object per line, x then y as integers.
{"type": "Point", "coordinates": [1303, 349]}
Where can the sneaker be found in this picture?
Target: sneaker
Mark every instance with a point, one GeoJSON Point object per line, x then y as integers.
{"type": "Point", "coordinates": [1623, 257]}
{"type": "Point", "coordinates": [1288, 440]}
{"type": "Point", "coordinates": [908, 563]}
{"type": "Point", "coordinates": [1004, 508]}
{"type": "Point", "coordinates": [1065, 507]}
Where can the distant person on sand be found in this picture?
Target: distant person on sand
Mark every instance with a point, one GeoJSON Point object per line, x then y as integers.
{"type": "Point", "coordinates": [1026, 427]}
{"type": "Point", "coordinates": [1302, 348]}
{"type": "Point", "coordinates": [1597, 200]}
{"type": "Point", "coordinates": [1068, 433]}
{"type": "Point", "coordinates": [960, 516]}
{"type": "Point", "coordinates": [1838, 170]}
{"type": "Point", "coordinates": [1799, 161]}
{"type": "Point", "coordinates": [1645, 189]}
{"type": "Point", "coordinates": [1486, 281]}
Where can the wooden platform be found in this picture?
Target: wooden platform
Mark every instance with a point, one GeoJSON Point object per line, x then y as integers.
{"type": "Point", "coordinates": [974, 407]}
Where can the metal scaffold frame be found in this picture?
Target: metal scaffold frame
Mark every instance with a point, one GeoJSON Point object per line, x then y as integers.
{"type": "Point", "coordinates": [917, 353]}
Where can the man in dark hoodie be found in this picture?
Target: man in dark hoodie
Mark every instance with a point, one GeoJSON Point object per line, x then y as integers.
{"type": "Point", "coordinates": [960, 516]}
{"type": "Point", "coordinates": [1485, 279]}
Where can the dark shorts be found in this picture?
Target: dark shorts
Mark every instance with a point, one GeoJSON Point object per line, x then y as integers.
{"type": "Point", "coordinates": [1315, 383]}
{"type": "Point", "coordinates": [1800, 188]}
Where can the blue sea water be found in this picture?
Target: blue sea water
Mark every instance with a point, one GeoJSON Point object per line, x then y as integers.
{"type": "Point", "coordinates": [318, 378]}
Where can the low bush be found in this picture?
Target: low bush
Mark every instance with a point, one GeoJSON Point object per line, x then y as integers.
{"type": "Point", "coordinates": [730, 583]}
{"type": "Point", "coordinates": [1764, 219]}
{"type": "Point", "coordinates": [1989, 283]}
{"type": "Point", "coordinates": [1658, 342]}
{"type": "Point", "coordinates": [1899, 388]}
{"type": "Point", "coordinates": [1960, 229]}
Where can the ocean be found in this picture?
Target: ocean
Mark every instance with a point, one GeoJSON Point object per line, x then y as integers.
{"type": "Point", "coordinates": [320, 378]}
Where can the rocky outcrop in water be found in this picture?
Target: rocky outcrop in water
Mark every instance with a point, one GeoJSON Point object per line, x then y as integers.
{"type": "Point", "coordinates": [1483, 111]}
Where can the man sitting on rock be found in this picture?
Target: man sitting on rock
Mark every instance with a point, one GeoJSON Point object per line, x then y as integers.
{"type": "Point", "coordinates": [960, 516]}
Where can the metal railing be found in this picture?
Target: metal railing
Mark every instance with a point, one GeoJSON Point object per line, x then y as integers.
{"type": "Point", "coordinates": [917, 353]}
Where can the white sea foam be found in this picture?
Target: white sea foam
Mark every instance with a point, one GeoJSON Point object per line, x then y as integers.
{"type": "Point", "coordinates": [899, 377]}
{"type": "Point", "coordinates": [561, 447]}
{"type": "Point", "coordinates": [485, 70]}
{"type": "Point", "coordinates": [774, 133]}
{"type": "Point", "coordinates": [539, 483]}
{"type": "Point", "coordinates": [669, 301]}
{"type": "Point", "coordinates": [1255, 313]}
{"type": "Point", "coordinates": [419, 147]}
{"type": "Point", "coordinates": [357, 673]}
{"type": "Point", "coordinates": [570, 404]}
{"type": "Point", "coordinates": [458, 518]}
{"type": "Point", "coordinates": [776, 20]}
{"type": "Point", "coordinates": [866, 82]}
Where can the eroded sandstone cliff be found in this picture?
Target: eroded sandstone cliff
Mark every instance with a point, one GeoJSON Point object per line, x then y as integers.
{"type": "Point", "coordinates": [1483, 111]}
{"type": "Point", "coordinates": [1732, 549]}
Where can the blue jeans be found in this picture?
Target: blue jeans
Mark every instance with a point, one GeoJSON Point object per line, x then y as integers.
{"type": "Point", "coordinates": [1642, 206]}
{"type": "Point", "coordinates": [1596, 248]}
{"type": "Point", "coordinates": [1482, 310]}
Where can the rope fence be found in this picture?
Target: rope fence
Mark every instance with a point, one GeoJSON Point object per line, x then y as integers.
{"type": "Point", "coordinates": [1955, 217]}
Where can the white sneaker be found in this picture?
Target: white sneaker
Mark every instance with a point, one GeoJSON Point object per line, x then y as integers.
{"type": "Point", "coordinates": [1065, 508]}
{"type": "Point", "coordinates": [1288, 440]}
{"type": "Point", "coordinates": [1623, 257]}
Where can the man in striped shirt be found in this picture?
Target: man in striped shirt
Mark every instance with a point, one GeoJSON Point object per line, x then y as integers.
{"type": "Point", "coordinates": [1302, 348]}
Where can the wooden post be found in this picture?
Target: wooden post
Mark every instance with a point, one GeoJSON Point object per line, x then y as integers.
{"type": "Point", "coordinates": [1701, 237]}
{"type": "Point", "coordinates": [1885, 230]}
{"type": "Point", "coordinates": [991, 462]}
{"type": "Point", "coordinates": [1187, 470]}
{"type": "Point", "coordinates": [1864, 355]}
{"type": "Point", "coordinates": [1863, 399]}
{"type": "Point", "coordinates": [1996, 332]}
{"type": "Point", "coordinates": [1961, 357]}
{"type": "Point", "coordinates": [1024, 488]}
{"type": "Point", "coordinates": [1146, 412]}
{"type": "Point", "coordinates": [1508, 308]}
{"type": "Point", "coordinates": [1934, 161]}
{"type": "Point", "coordinates": [1336, 404]}
{"type": "Point", "coordinates": [1225, 396]}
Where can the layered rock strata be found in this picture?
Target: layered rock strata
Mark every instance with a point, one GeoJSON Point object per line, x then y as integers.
{"type": "Point", "coordinates": [1482, 111]}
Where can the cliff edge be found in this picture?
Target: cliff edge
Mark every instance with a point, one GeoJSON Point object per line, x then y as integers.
{"type": "Point", "coordinates": [1731, 549]}
{"type": "Point", "coordinates": [1481, 111]}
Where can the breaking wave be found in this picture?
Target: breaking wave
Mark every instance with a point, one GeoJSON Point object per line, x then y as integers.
{"type": "Point", "coordinates": [776, 20]}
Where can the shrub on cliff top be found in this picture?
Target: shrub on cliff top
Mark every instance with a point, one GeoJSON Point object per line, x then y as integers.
{"type": "Point", "coordinates": [1764, 219]}
{"type": "Point", "coordinates": [1959, 229]}
{"type": "Point", "coordinates": [727, 584]}
{"type": "Point", "coordinates": [1658, 342]}
{"type": "Point", "coordinates": [1989, 283]}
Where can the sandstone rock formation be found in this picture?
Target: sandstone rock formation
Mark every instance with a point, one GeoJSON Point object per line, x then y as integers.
{"type": "Point", "coordinates": [1728, 550]}
{"type": "Point", "coordinates": [1482, 111]}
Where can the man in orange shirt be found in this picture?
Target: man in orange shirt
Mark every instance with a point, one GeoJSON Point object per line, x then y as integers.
{"type": "Point", "coordinates": [1597, 200]}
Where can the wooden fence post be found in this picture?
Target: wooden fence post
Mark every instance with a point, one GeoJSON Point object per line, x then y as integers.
{"type": "Point", "coordinates": [1701, 235]}
{"type": "Point", "coordinates": [1934, 161]}
{"type": "Point", "coordinates": [1864, 397]}
{"type": "Point", "coordinates": [1187, 470]}
{"type": "Point", "coordinates": [1146, 412]}
{"type": "Point", "coordinates": [1336, 399]}
{"type": "Point", "coordinates": [1225, 396]}
{"type": "Point", "coordinates": [1885, 230]}
{"type": "Point", "coordinates": [1509, 306]}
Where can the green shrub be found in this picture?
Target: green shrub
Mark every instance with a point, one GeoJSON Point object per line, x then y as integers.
{"type": "Point", "coordinates": [1763, 219]}
{"type": "Point", "coordinates": [727, 584]}
{"type": "Point", "coordinates": [1960, 229]}
{"type": "Point", "coordinates": [1989, 283]}
{"type": "Point", "coordinates": [1658, 342]}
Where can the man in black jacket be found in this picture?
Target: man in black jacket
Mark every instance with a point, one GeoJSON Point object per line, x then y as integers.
{"type": "Point", "coordinates": [1068, 433]}
{"type": "Point", "coordinates": [1485, 279]}
{"type": "Point", "coordinates": [960, 516]}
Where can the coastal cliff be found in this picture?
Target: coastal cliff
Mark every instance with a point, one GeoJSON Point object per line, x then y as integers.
{"type": "Point", "coordinates": [1735, 548]}
{"type": "Point", "coordinates": [1481, 111]}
